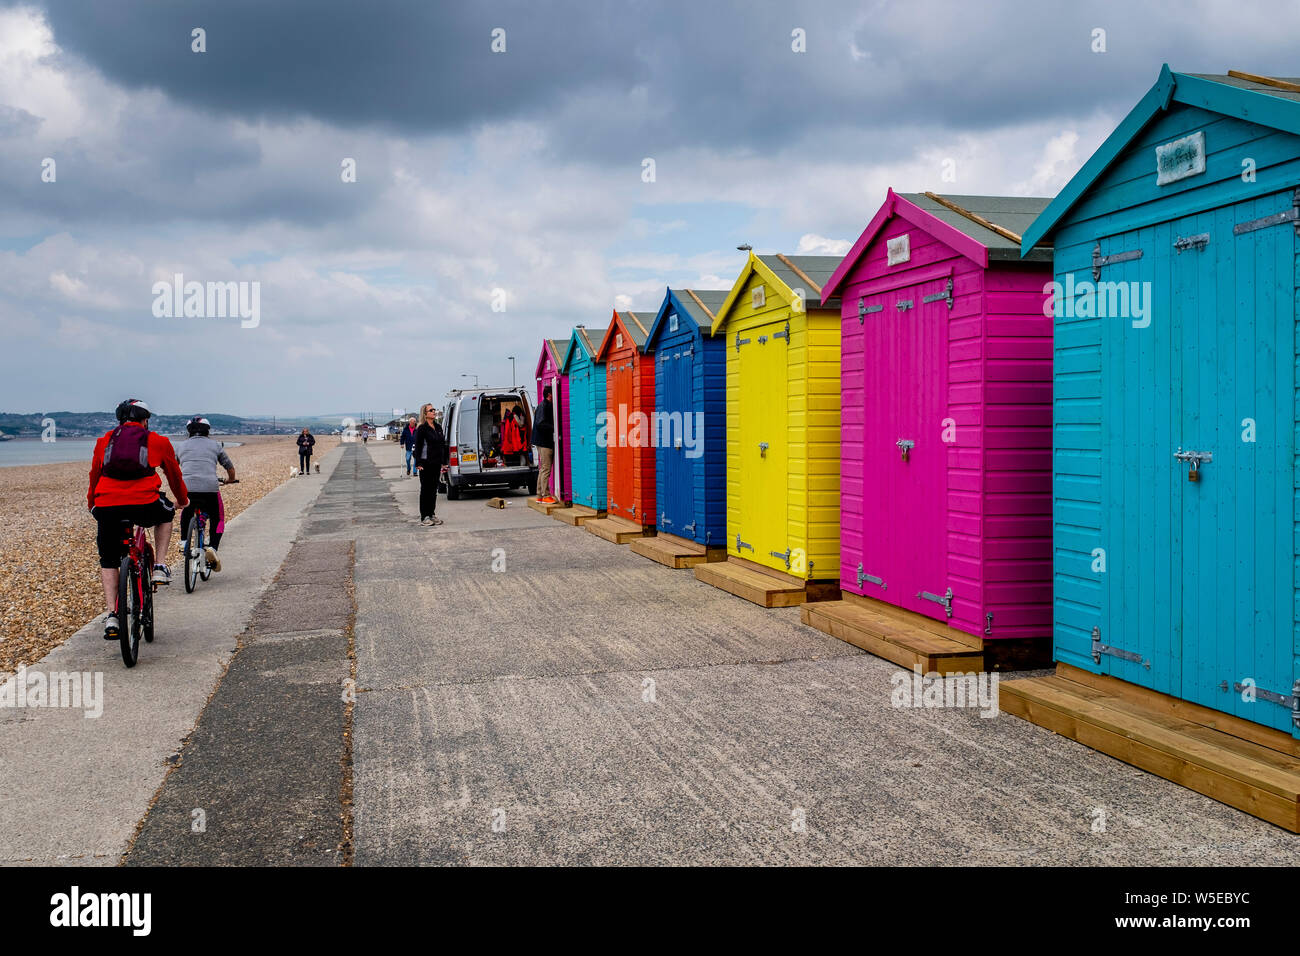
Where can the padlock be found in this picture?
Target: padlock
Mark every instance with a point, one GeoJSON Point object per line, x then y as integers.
{"type": "Point", "coordinates": [1193, 474]}
{"type": "Point", "coordinates": [904, 453]}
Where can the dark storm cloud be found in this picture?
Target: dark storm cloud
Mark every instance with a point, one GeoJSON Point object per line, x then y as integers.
{"type": "Point", "coordinates": [612, 76]}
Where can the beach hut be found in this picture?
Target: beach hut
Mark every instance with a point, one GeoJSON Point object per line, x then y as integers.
{"type": "Point", "coordinates": [548, 373]}
{"type": "Point", "coordinates": [586, 410]}
{"type": "Point", "coordinates": [690, 415]}
{"type": "Point", "coordinates": [629, 430]}
{"type": "Point", "coordinates": [945, 478]}
{"type": "Point", "coordinates": [1175, 443]}
{"type": "Point", "coordinates": [782, 346]}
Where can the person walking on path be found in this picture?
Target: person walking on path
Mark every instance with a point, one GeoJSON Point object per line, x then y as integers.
{"type": "Point", "coordinates": [544, 439]}
{"type": "Point", "coordinates": [407, 438]}
{"type": "Point", "coordinates": [430, 456]}
{"type": "Point", "coordinates": [305, 441]}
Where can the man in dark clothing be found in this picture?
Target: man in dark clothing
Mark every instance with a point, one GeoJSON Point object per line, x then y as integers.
{"type": "Point", "coordinates": [544, 439]}
{"type": "Point", "coordinates": [305, 442]}
{"type": "Point", "coordinates": [430, 456]}
{"type": "Point", "coordinates": [407, 438]}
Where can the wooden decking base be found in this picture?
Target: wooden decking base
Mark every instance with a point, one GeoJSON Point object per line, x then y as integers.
{"type": "Point", "coordinates": [616, 529]}
{"type": "Point", "coordinates": [545, 507]}
{"type": "Point", "coordinates": [909, 639]}
{"type": "Point", "coordinates": [915, 640]}
{"type": "Point", "coordinates": [674, 552]}
{"type": "Point", "coordinates": [1245, 765]}
{"type": "Point", "coordinates": [762, 587]}
{"type": "Point", "coordinates": [576, 515]}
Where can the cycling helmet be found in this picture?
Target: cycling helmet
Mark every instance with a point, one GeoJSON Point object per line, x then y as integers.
{"type": "Point", "coordinates": [198, 425]}
{"type": "Point", "coordinates": [132, 410]}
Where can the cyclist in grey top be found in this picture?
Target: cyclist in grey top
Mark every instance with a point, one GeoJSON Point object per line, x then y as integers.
{"type": "Point", "coordinates": [199, 457]}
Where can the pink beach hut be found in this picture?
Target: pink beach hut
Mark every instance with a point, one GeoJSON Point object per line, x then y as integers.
{"type": "Point", "coordinates": [946, 474]}
{"type": "Point", "coordinates": [548, 373]}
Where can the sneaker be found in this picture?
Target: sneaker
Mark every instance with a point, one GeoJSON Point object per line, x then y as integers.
{"type": "Point", "coordinates": [111, 632]}
{"type": "Point", "coordinates": [435, 520]}
{"type": "Point", "coordinates": [162, 574]}
{"type": "Point", "coordinates": [424, 520]}
{"type": "Point", "coordinates": [210, 555]}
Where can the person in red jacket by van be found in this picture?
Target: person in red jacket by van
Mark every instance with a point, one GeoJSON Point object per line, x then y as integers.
{"type": "Point", "coordinates": [124, 486]}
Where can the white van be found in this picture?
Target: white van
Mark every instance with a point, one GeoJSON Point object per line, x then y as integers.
{"type": "Point", "coordinates": [473, 421]}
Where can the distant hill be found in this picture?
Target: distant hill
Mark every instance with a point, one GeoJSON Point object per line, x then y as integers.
{"type": "Point", "coordinates": [94, 424]}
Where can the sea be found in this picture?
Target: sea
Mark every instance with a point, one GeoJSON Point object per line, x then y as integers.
{"type": "Point", "coordinates": [33, 451]}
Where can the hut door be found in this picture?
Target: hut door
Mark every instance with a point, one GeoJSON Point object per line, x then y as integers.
{"type": "Point", "coordinates": [582, 435]}
{"type": "Point", "coordinates": [620, 429]}
{"type": "Point", "coordinates": [1234, 302]}
{"type": "Point", "coordinates": [918, 333]}
{"type": "Point", "coordinates": [678, 493]}
{"type": "Point", "coordinates": [764, 375]}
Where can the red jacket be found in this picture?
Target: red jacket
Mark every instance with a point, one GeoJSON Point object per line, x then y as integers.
{"type": "Point", "coordinates": [108, 492]}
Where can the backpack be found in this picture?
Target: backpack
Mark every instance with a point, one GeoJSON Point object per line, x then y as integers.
{"type": "Point", "coordinates": [127, 455]}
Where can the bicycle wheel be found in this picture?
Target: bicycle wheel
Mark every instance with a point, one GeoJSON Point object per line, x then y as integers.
{"type": "Point", "coordinates": [193, 548]}
{"type": "Point", "coordinates": [146, 609]}
{"type": "Point", "coordinates": [128, 612]}
{"type": "Point", "coordinates": [205, 571]}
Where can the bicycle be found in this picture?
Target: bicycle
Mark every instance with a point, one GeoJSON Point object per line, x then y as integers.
{"type": "Point", "coordinates": [135, 591]}
{"type": "Point", "coordinates": [196, 556]}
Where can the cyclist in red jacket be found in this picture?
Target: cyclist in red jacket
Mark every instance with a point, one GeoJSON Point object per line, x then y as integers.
{"type": "Point", "coordinates": [124, 486]}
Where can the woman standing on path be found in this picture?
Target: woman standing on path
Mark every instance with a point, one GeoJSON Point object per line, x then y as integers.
{"type": "Point", "coordinates": [305, 440]}
{"type": "Point", "coordinates": [430, 456]}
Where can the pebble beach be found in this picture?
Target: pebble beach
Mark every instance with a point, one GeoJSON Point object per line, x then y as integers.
{"type": "Point", "coordinates": [49, 571]}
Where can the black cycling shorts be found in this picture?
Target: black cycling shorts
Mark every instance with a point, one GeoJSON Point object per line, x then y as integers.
{"type": "Point", "coordinates": [108, 538]}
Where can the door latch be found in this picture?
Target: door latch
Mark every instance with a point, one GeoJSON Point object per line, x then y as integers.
{"type": "Point", "coordinates": [1194, 458]}
{"type": "Point", "coordinates": [762, 449]}
{"type": "Point", "coordinates": [905, 445]}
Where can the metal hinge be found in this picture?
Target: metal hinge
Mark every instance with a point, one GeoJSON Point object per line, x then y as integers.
{"type": "Point", "coordinates": [1290, 701]}
{"type": "Point", "coordinates": [945, 294]}
{"type": "Point", "coordinates": [864, 310]}
{"type": "Point", "coordinates": [741, 545]}
{"type": "Point", "coordinates": [1199, 241]}
{"type": "Point", "coordinates": [903, 304]}
{"type": "Point", "coordinates": [784, 557]}
{"type": "Point", "coordinates": [1291, 215]}
{"type": "Point", "coordinates": [663, 358]}
{"type": "Point", "coordinates": [634, 511]}
{"type": "Point", "coordinates": [1098, 260]}
{"type": "Point", "coordinates": [1098, 648]}
{"type": "Point", "coordinates": [740, 341]}
{"type": "Point", "coordinates": [783, 334]}
{"type": "Point", "coordinates": [863, 576]}
{"type": "Point", "coordinates": [946, 600]}
{"type": "Point", "coordinates": [663, 518]}
{"type": "Point", "coordinates": [689, 527]}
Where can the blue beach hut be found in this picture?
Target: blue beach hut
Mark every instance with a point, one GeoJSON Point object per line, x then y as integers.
{"type": "Point", "coordinates": [690, 423]}
{"type": "Point", "coordinates": [1175, 422]}
{"type": "Point", "coordinates": [586, 402]}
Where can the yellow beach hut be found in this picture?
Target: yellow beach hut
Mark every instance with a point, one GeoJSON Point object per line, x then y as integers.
{"type": "Point", "coordinates": [783, 433]}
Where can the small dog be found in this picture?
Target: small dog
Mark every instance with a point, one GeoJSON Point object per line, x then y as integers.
{"type": "Point", "coordinates": [318, 468]}
{"type": "Point", "coordinates": [293, 472]}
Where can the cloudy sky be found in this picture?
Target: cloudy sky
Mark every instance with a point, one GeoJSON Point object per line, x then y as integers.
{"type": "Point", "coordinates": [520, 171]}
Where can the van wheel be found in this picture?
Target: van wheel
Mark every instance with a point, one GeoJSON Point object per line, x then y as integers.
{"type": "Point", "coordinates": [453, 492]}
